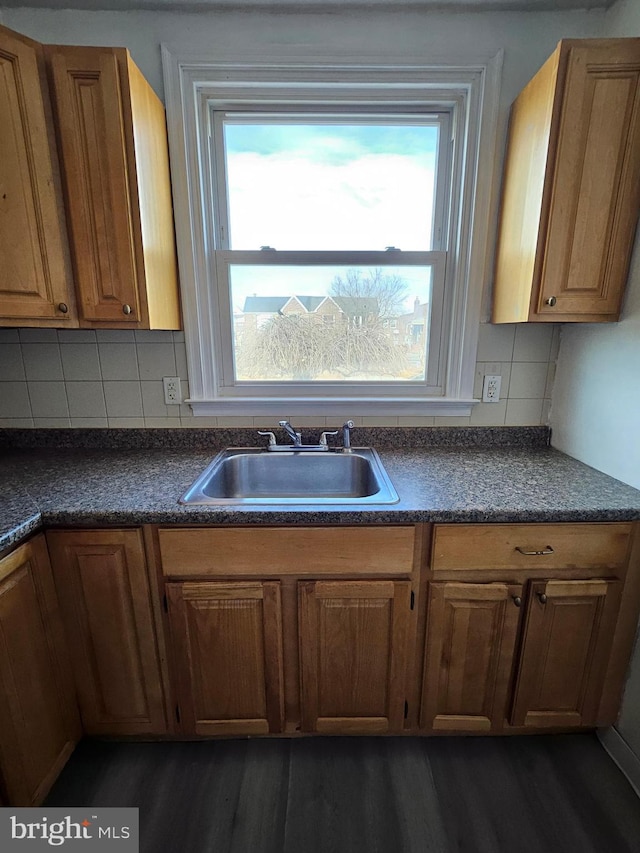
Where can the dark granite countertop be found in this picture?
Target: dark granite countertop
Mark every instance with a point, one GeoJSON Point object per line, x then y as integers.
{"type": "Point", "coordinates": [57, 487]}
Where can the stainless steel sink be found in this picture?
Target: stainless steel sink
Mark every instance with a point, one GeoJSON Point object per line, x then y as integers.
{"type": "Point", "coordinates": [250, 475]}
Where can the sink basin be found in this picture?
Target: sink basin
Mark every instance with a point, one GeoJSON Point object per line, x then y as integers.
{"type": "Point", "coordinates": [250, 475]}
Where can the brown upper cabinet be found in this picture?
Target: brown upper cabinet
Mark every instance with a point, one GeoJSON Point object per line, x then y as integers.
{"type": "Point", "coordinates": [36, 287]}
{"type": "Point", "coordinates": [114, 173]}
{"type": "Point", "coordinates": [571, 187]}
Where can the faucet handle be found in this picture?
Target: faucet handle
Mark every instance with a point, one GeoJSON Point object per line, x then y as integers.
{"type": "Point", "coordinates": [323, 437]}
{"type": "Point", "coordinates": [272, 438]}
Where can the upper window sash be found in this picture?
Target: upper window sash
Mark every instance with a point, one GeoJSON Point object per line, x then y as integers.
{"type": "Point", "coordinates": [312, 113]}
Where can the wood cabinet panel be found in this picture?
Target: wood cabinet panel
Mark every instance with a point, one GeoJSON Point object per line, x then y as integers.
{"type": "Point", "coordinates": [571, 189]}
{"type": "Point", "coordinates": [561, 546]}
{"type": "Point", "coordinates": [88, 100]}
{"type": "Point", "coordinates": [227, 641]}
{"type": "Point", "coordinates": [596, 182]}
{"type": "Point", "coordinates": [353, 655]}
{"type": "Point", "coordinates": [35, 275]}
{"type": "Point", "coordinates": [102, 581]}
{"type": "Point", "coordinates": [567, 636]}
{"type": "Point", "coordinates": [287, 550]}
{"type": "Point", "coordinates": [471, 635]}
{"type": "Point", "coordinates": [39, 725]}
{"type": "Point", "coordinates": [113, 144]}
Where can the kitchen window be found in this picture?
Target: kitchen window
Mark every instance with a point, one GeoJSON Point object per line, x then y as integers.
{"type": "Point", "coordinates": [328, 261]}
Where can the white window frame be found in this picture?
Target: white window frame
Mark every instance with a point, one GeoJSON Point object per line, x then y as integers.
{"type": "Point", "coordinates": [470, 89]}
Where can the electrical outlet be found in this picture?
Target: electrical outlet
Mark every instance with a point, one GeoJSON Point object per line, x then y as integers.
{"type": "Point", "coordinates": [491, 389]}
{"type": "Point", "coordinates": [172, 394]}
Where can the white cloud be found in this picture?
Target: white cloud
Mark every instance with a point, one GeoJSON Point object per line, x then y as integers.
{"type": "Point", "coordinates": [368, 202]}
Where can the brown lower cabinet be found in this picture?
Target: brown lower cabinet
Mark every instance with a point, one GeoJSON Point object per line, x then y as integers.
{"type": "Point", "coordinates": [563, 634]}
{"type": "Point", "coordinates": [566, 642]}
{"type": "Point", "coordinates": [353, 655]}
{"type": "Point", "coordinates": [227, 643]}
{"type": "Point", "coordinates": [39, 724]}
{"type": "Point", "coordinates": [471, 638]}
{"type": "Point", "coordinates": [102, 581]}
{"type": "Point", "coordinates": [275, 630]}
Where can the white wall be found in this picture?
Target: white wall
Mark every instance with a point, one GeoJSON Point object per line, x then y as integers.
{"type": "Point", "coordinates": [527, 38]}
{"type": "Point", "coordinates": [595, 411]}
{"type": "Point", "coordinates": [61, 380]}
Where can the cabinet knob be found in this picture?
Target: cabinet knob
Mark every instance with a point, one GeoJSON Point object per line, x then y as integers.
{"type": "Point", "coordinates": [517, 600]}
{"type": "Point", "coordinates": [126, 309]}
{"type": "Point", "coordinates": [62, 306]}
{"type": "Point", "coordinates": [551, 301]}
{"type": "Point", "coordinates": [542, 597]}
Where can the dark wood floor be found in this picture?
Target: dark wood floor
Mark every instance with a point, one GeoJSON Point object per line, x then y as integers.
{"type": "Point", "coordinates": [560, 794]}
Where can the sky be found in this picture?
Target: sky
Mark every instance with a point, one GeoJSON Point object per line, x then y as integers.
{"type": "Point", "coordinates": [332, 186]}
{"type": "Point", "coordinates": [329, 186]}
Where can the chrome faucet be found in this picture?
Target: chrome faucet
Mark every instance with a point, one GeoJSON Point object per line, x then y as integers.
{"type": "Point", "coordinates": [295, 437]}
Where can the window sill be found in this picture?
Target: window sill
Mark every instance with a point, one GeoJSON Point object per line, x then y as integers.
{"type": "Point", "coordinates": [423, 406]}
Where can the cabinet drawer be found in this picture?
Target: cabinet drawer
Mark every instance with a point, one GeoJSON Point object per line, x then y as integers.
{"type": "Point", "coordinates": [287, 550]}
{"type": "Point", "coordinates": [530, 546]}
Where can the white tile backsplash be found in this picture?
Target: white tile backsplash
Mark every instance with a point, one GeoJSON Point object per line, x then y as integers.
{"type": "Point", "coordinates": [80, 362]}
{"type": "Point", "coordinates": [89, 423]}
{"type": "Point", "coordinates": [115, 336]}
{"type": "Point", "coordinates": [126, 423]}
{"type": "Point", "coordinates": [113, 377]}
{"type": "Point", "coordinates": [38, 336]}
{"type": "Point", "coordinates": [524, 412]}
{"type": "Point", "coordinates": [532, 342]}
{"type": "Point", "coordinates": [118, 361]}
{"type": "Point", "coordinates": [528, 380]}
{"type": "Point", "coordinates": [153, 404]}
{"type": "Point", "coordinates": [156, 360]}
{"type": "Point", "coordinates": [76, 336]}
{"type": "Point", "coordinates": [48, 399]}
{"type": "Point", "coordinates": [11, 363]}
{"type": "Point", "coordinates": [14, 400]}
{"type": "Point", "coordinates": [86, 400]}
{"type": "Point", "coordinates": [123, 399]}
{"type": "Point", "coordinates": [42, 362]}
{"type": "Point", "coordinates": [495, 343]}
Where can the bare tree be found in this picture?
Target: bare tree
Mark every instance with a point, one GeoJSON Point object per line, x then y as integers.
{"type": "Point", "coordinates": [298, 347]}
{"type": "Point", "coordinates": [376, 286]}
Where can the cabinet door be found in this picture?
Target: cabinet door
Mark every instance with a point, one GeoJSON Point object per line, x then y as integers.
{"type": "Point", "coordinates": [594, 189]}
{"type": "Point", "coordinates": [353, 655]}
{"type": "Point", "coordinates": [227, 641]}
{"type": "Point", "coordinates": [471, 635]}
{"type": "Point", "coordinates": [102, 581]}
{"type": "Point", "coordinates": [567, 636]}
{"type": "Point", "coordinates": [35, 280]}
{"type": "Point", "coordinates": [39, 725]}
{"type": "Point", "coordinates": [100, 181]}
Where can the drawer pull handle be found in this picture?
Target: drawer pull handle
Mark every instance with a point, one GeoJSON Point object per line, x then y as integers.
{"type": "Point", "coordinates": [547, 550]}
{"type": "Point", "coordinates": [126, 309]}
{"type": "Point", "coordinates": [517, 600]}
{"type": "Point", "coordinates": [542, 597]}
